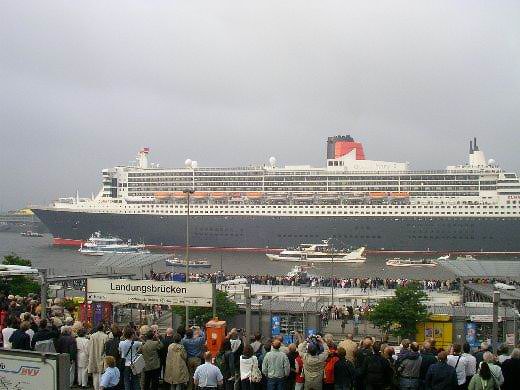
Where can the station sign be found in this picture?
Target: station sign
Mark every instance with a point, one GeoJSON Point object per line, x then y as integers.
{"type": "Point", "coordinates": [150, 292]}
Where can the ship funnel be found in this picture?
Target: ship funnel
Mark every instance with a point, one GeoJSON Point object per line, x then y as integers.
{"type": "Point", "coordinates": [340, 145]}
{"type": "Point", "coordinates": [470, 147]}
{"type": "Point", "coordinates": [142, 158]}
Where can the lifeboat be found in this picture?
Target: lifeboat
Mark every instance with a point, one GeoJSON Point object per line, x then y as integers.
{"type": "Point", "coordinates": [179, 194]}
{"type": "Point", "coordinates": [200, 195]}
{"type": "Point", "coordinates": [254, 195]}
{"type": "Point", "coordinates": [400, 194]}
{"type": "Point", "coordinates": [162, 195]}
{"type": "Point", "coordinates": [377, 195]}
{"type": "Point", "coordinates": [218, 195]}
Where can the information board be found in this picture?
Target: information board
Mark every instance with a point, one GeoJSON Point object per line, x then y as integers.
{"type": "Point", "coordinates": [24, 370]}
{"type": "Point", "coordinates": [150, 292]}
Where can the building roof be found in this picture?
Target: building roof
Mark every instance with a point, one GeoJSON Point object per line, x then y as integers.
{"type": "Point", "coordinates": [487, 290]}
{"type": "Point", "coordinates": [505, 269]}
{"type": "Point", "coordinates": [130, 260]}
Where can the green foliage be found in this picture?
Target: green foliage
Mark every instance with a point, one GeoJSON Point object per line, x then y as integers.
{"type": "Point", "coordinates": [226, 309]}
{"type": "Point", "coordinates": [400, 315]}
{"type": "Point", "coordinates": [18, 285]}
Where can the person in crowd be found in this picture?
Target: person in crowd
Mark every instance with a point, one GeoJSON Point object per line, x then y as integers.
{"type": "Point", "coordinates": [484, 379]}
{"type": "Point", "coordinates": [479, 355]}
{"type": "Point", "coordinates": [344, 372]}
{"type": "Point", "coordinates": [457, 361]}
{"type": "Point", "coordinates": [511, 371]}
{"type": "Point", "coordinates": [429, 357]}
{"type": "Point", "coordinates": [361, 354]}
{"type": "Point", "coordinates": [82, 357]}
{"type": "Point", "coordinates": [7, 332]}
{"type": "Point", "coordinates": [67, 344]}
{"type": "Point", "coordinates": [29, 318]}
{"type": "Point", "coordinates": [298, 377]}
{"type": "Point", "coordinates": [110, 378]}
{"type": "Point", "coordinates": [152, 370]}
{"type": "Point", "coordinates": [20, 339]}
{"type": "Point", "coordinates": [441, 376]}
{"type": "Point", "coordinates": [112, 349]}
{"type": "Point", "coordinates": [237, 346]}
{"type": "Point", "coordinates": [257, 344]}
{"type": "Point", "coordinates": [176, 370]}
{"type": "Point", "coordinates": [95, 354]}
{"type": "Point", "coordinates": [495, 369]}
{"type": "Point", "coordinates": [193, 342]}
{"type": "Point", "coordinates": [166, 341]}
{"type": "Point", "coordinates": [350, 347]}
{"type": "Point", "coordinates": [292, 353]}
{"type": "Point", "coordinates": [332, 358]}
{"type": "Point", "coordinates": [376, 370]}
{"type": "Point", "coordinates": [471, 362]}
{"type": "Point", "coordinates": [276, 367]}
{"type": "Point", "coordinates": [503, 354]}
{"type": "Point", "coordinates": [128, 351]}
{"type": "Point", "coordinates": [228, 365]}
{"type": "Point", "coordinates": [207, 375]}
{"type": "Point", "coordinates": [43, 339]}
{"type": "Point", "coordinates": [388, 354]}
{"type": "Point", "coordinates": [248, 363]}
{"type": "Point", "coordinates": [409, 368]}
{"type": "Point", "coordinates": [313, 361]}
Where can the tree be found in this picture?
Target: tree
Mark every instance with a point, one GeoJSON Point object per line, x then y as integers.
{"type": "Point", "coordinates": [400, 315]}
{"type": "Point", "coordinates": [226, 309]}
{"type": "Point", "coordinates": [18, 285]}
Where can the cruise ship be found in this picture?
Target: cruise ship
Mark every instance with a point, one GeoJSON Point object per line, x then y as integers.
{"type": "Point", "coordinates": [353, 201]}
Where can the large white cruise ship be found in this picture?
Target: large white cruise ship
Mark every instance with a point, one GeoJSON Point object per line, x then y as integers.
{"type": "Point", "coordinates": [352, 201]}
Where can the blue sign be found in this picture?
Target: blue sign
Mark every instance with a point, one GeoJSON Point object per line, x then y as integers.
{"type": "Point", "coordinates": [288, 339]}
{"type": "Point", "coordinates": [311, 332]}
{"type": "Point", "coordinates": [275, 325]}
{"type": "Point", "coordinates": [470, 330]}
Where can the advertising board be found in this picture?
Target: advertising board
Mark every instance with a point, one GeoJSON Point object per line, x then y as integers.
{"type": "Point", "coordinates": [149, 292]}
{"type": "Point", "coordinates": [24, 370]}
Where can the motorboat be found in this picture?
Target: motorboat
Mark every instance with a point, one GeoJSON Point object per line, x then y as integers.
{"type": "Point", "coordinates": [445, 257]}
{"type": "Point", "coordinates": [319, 253]}
{"type": "Point", "coordinates": [98, 245]}
{"type": "Point", "coordinates": [30, 233]}
{"type": "Point", "coordinates": [397, 262]}
{"type": "Point", "coordinates": [176, 262]}
{"type": "Point", "coordinates": [300, 271]}
{"type": "Point", "coordinates": [465, 257]}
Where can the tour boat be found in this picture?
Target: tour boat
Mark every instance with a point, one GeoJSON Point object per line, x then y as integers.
{"type": "Point", "coordinates": [466, 257]}
{"type": "Point", "coordinates": [397, 262]}
{"type": "Point", "coordinates": [98, 245]}
{"type": "Point", "coordinates": [29, 233]}
{"type": "Point", "coordinates": [318, 253]}
{"type": "Point", "coordinates": [176, 262]}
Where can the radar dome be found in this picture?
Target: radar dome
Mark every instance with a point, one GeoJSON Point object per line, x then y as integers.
{"type": "Point", "coordinates": [272, 161]}
{"type": "Point", "coordinates": [187, 163]}
{"type": "Point", "coordinates": [491, 161]}
{"type": "Point", "coordinates": [194, 164]}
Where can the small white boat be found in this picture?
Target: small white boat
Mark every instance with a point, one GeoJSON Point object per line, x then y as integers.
{"type": "Point", "coordinates": [98, 245]}
{"type": "Point", "coordinates": [30, 233]}
{"type": "Point", "coordinates": [445, 257]}
{"type": "Point", "coordinates": [397, 262]}
{"type": "Point", "coordinates": [318, 253]}
{"type": "Point", "coordinates": [176, 262]}
{"type": "Point", "coordinates": [300, 270]}
{"type": "Point", "coordinates": [465, 257]}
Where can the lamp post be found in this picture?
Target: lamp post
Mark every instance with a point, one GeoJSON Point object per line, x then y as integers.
{"type": "Point", "coordinates": [188, 192]}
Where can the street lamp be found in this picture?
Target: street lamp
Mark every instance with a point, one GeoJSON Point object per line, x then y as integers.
{"type": "Point", "coordinates": [188, 192]}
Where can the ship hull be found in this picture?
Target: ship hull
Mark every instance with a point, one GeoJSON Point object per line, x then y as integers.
{"type": "Point", "coordinates": [264, 233]}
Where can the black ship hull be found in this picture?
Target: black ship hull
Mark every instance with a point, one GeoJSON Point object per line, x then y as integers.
{"type": "Point", "coordinates": [383, 233]}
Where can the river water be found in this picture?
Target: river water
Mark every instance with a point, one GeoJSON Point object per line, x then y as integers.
{"type": "Point", "coordinates": [68, 261]}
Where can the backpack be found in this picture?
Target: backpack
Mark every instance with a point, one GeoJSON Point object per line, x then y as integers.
{"type": "Point", "coordinates": [45, 346]}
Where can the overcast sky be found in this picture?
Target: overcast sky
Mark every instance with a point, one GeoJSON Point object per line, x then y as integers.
{"type": "Point", "coordinates": [85, 84]}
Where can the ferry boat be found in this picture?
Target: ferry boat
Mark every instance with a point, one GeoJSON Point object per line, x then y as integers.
{"type": "Point", "coordinates": [176, 262]}
{"type": "Point", "coordinates": [466, 257]}
{"type": "Point", "coordinates": [319, 253]}
{"type": "Point", "coordinates": [384, 206]}
{"type": "Point", "coordinates": [98, 245]}
{"type": "Point", "coordinates": [30, 233]}
{"type": "Point", "coordinates": [397, 262]}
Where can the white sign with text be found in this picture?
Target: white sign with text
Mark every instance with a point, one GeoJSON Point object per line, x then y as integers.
{"type": "Point", "coordinates": [150, 292]}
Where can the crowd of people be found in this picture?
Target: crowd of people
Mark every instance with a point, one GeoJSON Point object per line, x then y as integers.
{"type": "Point", "coordinates": [304, 280]}
{"type": "Point", "coordinates": [134, 358]}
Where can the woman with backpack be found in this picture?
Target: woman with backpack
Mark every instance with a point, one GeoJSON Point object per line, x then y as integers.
{"type": "Point", "coordinates": [249, 371]}
{"type": "Point", "coordinates": [483, 380]}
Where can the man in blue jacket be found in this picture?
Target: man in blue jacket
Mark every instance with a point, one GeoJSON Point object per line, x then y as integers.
{"type": "Point", "coordinates": [441, 376]}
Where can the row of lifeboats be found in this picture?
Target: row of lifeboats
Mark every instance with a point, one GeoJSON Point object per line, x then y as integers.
{"type": "Point", "coordinates": [163, 195]}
